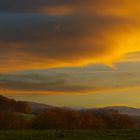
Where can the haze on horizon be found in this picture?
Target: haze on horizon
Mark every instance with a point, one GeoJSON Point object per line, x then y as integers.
{"type": "Point", "coordinates": [71, 52]}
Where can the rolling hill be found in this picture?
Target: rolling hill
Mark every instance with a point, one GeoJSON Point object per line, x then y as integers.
{"type": "Point", "coordinates": [7, 104]}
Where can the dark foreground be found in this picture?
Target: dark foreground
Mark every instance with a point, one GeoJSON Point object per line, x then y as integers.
{"type": "Point", "coordinates": [71, 135]}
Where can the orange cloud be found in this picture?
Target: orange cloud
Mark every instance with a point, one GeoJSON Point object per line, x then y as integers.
{"type": "Point", "coordinates": [93, 79]}
{"type": "Point", "coordinates": [101, 7]}
{"type": "Point", "coordinates": [75, 33]}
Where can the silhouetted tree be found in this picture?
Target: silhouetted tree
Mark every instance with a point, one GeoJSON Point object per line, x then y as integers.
{"type": "Point", "coordinates": [23, 107]}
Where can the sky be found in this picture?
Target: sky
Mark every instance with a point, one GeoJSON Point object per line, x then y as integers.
{"type": "Point", "coordinates": [83, 53]}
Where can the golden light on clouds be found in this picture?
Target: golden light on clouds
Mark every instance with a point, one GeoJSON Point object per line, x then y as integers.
{"type": "Point", "coordinates": [69, 47]}
{"type": "Point", "coordinates": [65, 33]}
{"type": "Point", "coordinates": [98, 45]}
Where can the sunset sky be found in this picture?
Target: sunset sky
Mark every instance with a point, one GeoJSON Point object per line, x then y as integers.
{"type": "Point", "coordinates": [71, 52]}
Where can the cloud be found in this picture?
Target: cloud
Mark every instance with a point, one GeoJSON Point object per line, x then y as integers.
{"type": "Point", "coordinates": [45, 34]}
{"type": "Point", "coordinates": [61, 7]}
{"type": "Point", "coordinates": [133, 56]}
{"type": "Point", "coordinates": [92, 79]}
{"type": "Point", "coordinates": [38, 84]}
{"type": "Point", "coordinates": [39, 41]}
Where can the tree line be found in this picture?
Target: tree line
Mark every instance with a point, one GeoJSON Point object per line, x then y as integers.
{"type": "Point", "coordinates": [12, 105]}
{"type": "Point", "coordinates": [66, 119]}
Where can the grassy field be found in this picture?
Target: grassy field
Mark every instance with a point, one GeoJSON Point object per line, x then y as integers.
{"type": "Point", "coordinates": [71, 135]}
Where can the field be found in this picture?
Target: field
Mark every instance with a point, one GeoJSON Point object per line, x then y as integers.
{"type": "Point", "coordinates": [71, 135]}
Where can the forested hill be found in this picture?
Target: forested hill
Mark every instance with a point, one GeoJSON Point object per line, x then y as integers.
{"type": "Point", "coordinates": [21, 114]}
{"type": "Point", "coordinates": [7, 104]}
{"type": "Point", "coordinates": [12, 105]}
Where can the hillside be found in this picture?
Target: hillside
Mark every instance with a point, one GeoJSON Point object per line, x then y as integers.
{"type": "Point", "coordinates": [37, 107]}
{"type": "Point", "coordinates": [126, 110]}
{"type": "Point", "coordinates": [7, 104]}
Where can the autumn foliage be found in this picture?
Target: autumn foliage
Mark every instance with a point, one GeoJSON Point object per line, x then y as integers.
{"type": "Point", "coordinates": [66, 119]}
{"type": "Point", "coordinates": [13, 115]}
{"type": "Point", "coordinates": [12, 120]}
{"type": "Point", "coordinates": [57, 118]}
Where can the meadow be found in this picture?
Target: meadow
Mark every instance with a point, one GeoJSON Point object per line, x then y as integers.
{"type": "Point", "coordinates": [127, 134]}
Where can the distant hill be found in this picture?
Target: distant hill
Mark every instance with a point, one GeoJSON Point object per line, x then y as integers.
{"type": "Point", "coordinates": [37, 107]}
{"type": "Point", "coordinates": [131, 111]}
{"type": "Point", "coordinates": [7, 104]}
{"type": "Point", "coordinates": [126, 110]}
